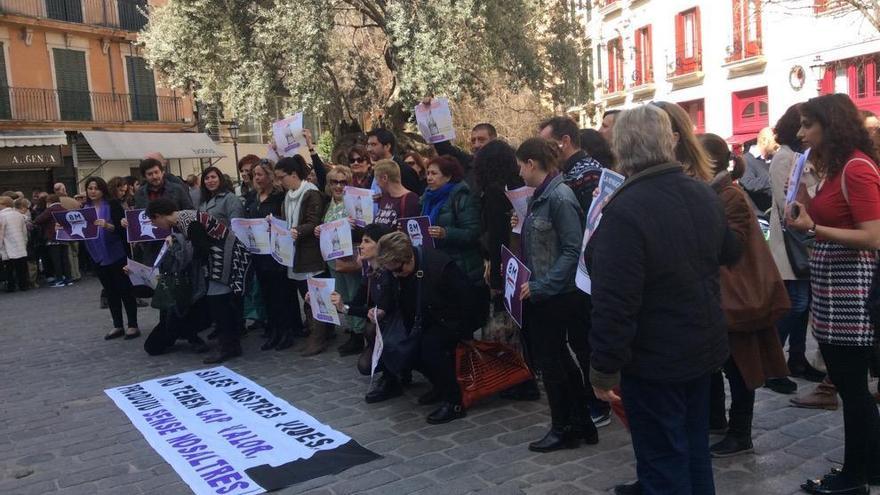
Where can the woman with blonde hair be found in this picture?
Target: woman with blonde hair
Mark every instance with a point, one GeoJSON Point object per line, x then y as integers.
{"type": "Point", "coordinates": [688, 150]}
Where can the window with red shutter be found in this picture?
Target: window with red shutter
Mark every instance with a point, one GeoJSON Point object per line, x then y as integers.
{"type": "Point", "coordinates": [746, 29]}
{"type": "Point", "coordinates": [687, 38]}
{"type": "Point", "coordinates": [615, 65]}
{"type": "Point", "coordinates": [696, 110]}
{"type": "Point", "coordinates": [750, 111]}
{"type": "Point", "coordinates": [644, 64]}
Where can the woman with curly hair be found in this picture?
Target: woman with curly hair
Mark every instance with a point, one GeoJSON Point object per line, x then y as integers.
{"type": "Point", "coordinates": [844, 217]}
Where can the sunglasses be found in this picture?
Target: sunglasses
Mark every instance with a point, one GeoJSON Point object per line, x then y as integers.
{"type": "Point", "coordinates": [338, 182]}
{"type": "Point", "coordinates": [358, 159]}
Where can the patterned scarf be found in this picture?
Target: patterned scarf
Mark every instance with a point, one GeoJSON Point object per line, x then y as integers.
{"type": "Point", "coordinates": [230, 261]}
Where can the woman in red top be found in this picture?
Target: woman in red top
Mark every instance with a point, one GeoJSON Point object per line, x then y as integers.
{"type": "Point", "coordinates": [845, 218]}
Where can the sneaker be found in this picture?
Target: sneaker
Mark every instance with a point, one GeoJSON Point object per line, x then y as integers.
{"type": "Point", "coordinates": [68, 283]}
{"type": "Point", "coordinates": [59, 283]}
{"type": "Point", "coordinates": [601, 418]}
{"type": "Point", "coordinates": [731, 446]}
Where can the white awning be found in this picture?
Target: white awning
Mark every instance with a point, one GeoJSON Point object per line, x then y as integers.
{"type": "Point", "coordinates": [136, 145]}
{"type": "Point", "coordinates": [18, 139]}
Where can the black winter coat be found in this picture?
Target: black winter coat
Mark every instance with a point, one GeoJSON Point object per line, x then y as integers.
{"type": "Point", "coordinates": [654, 262]}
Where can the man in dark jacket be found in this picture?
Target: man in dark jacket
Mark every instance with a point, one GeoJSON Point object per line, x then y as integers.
{"type": "Point", "coordinates": [756, 178]}
{"type": "Point", "coordinates": [579, 170]}
{"type": "Point", "coordinates": [481, 135]}
{"type": "Point", "coordinates": [382, 146]}
{"type": "Point", "coordinates": [658, 329]}
{"type": "Point", "coordinates": [158, 185]}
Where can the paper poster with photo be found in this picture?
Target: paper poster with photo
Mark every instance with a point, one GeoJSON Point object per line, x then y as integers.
{"type": "Point", "coordinates": [515, 274]}
{"type": "Point", "coordinates": [289, 137]}
{"type": "Point", "coordinates": [336, 239]}
{"type": "Point", "coordinates": [140, 274]}
{"type": "Point", "coordinates": [435, 121]}
{"type": "Point", "coordinates": [282, 244]}
{"type": "Point", "coordinates": [519, 198]}
{"type": "Point", "coordinates": [609, 182]}
{"type": "Point", "coordinates": [359, 205]}
{"type": "Point", "coordinates": [141, 229]}
{"type": "Point", "coordinates": [417, 230]}
{"type": "Point", "coordinates": [794, 179]}
{"type": "Point", "coordinates": [319, 299]}
{"type": "Point", "coordinates": [378, 346]}
{"type": "Point", "coordinates": [253, 233]}
{"type": "Point", "coordinates": [76, 225]}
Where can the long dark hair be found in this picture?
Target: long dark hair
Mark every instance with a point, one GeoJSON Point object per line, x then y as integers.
{"type": "Point", "coordinates": [541, 150]}
{"type": "Point", "coordinates": [595, 145]}
{"type": "Point", "coordinates": [843, 132]}
{"type": "Point", "coordinates": [495, 167]}
{"type": "Point", "coordinates": [225, 184]}
{"type": "Point", "coordinates": [102, 186]}
{"type": "Point", "coordinates": [720, 155]}
{"type": "Point", "coordinates": [787, 127]}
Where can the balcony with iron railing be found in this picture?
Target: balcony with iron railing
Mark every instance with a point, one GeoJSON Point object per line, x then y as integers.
{"type": "Point", "coordinates": [119, 14]}
{"type": "Point", "coordinates": [50, 105]}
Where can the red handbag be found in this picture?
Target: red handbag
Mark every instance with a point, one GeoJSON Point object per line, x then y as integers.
{"type": "Point", "coordinates": [486, 368]}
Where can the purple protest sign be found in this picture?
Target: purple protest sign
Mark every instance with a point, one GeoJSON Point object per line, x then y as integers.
{"type": "Point", "coordinates": [141, 228]}
{"type": "Point", "coordinates": [417, 230]}
{"type": "Point", "coordinates": [76, 225]}
{"type": "Point", "coordinates": [515, 275]}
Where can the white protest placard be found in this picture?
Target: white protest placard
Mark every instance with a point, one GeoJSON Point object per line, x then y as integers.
{"type": "Point", "coordinates": [283, 246]}
{"type": "Point", "coordinates": [378, 345]}
{"type": "Point", "coordinates": [289, 137]}
{"type": "Point", "coordinates": [140, 274]}
{"type": "Point", "coordinates": [609, 182]}
{"type": "Point", "coordinates": [435, 120]}
{"type": "Point", "coordinates": [794, 178]}
{"type": "Point", "coordinates": [336, 240]}
{"type": "Point", "coordinates": [253, 233]}
{"type": "Point", "coordinates": [224, 434]}
{"type": "Point", "coordinates": [359, 205]}
{"type": "Point", "coordinates": [319, 295]}
{"type": "Point", "coordinates": [519, 198]}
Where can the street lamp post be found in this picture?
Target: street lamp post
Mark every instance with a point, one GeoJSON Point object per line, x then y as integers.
{"type": "Point", "coordinates": [233, 134]}
{"type": "Point", "coordinates": [818, 71]}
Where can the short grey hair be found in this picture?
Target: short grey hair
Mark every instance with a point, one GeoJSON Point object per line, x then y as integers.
{"type": "Point", "coordinates": [642, 138]}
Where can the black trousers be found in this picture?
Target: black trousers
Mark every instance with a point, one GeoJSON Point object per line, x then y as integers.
{"type": "Point", "coordinates": [579, 342]}
{"type": "Point", "coordinates": [437, 362]}
{"type": "Point", "coordinates": [173, 327]}
{"type": "Point", "coordinates": [117, 287]}
{"type": "Point", "coordinates": [278, 297]}
{"type": "Point", "coordinates": [16, 274]}
{"type": "Point", "coordinates": [546, 325]}
{"type": "Point", "coordinates": [848, 370]}
{"type": "Point", "coordinates": [60, 261]}
{"type": "Point", "coordinates": [742, 401]}
{"type": "Point", "coordinates": [222, 311]}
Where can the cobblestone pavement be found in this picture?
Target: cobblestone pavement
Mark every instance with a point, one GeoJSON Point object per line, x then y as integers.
{"type": "Point", "coordinates": [59, 432]}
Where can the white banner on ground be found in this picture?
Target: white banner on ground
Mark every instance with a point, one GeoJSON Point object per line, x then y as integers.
{"type": "Point", "coordinates": [224, 434]}
{"type": "Point", "coordinates": [609, 182]}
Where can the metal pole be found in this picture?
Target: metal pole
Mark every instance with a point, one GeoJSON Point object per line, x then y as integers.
{"type": "Point", "coordinates": [235, 148]}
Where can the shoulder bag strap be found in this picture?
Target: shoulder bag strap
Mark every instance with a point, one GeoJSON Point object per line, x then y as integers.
{"type": "Point", "coordinates": [420, 277]}
{"type": "Point", "coordinates": [843, 175]}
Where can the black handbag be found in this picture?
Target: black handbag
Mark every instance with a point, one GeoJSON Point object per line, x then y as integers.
{"type": "Point", "coordinates": [796, 244]}
{"type": "Point", "coordinates": [401, 345]}
{"type": "Point", "coordinates": [173, 290]}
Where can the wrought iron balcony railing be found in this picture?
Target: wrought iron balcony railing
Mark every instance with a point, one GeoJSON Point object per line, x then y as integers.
{"type": "Point", "coordinates": [122, 14]}
{"type": "Point", "coordinates": [36, 104]}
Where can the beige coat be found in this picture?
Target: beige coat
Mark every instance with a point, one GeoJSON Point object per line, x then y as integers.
{"type": "Point", "coordinates": [13, 235]}
{"type": "Point", "coordinates": [780, 169]}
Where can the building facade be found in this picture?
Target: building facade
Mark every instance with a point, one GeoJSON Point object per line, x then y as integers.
{"type": "Point", "coordinates": [69, 66]}
{"type": "Point", "coordinates": [734, 65]}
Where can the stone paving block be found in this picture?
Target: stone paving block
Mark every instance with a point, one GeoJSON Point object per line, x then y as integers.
{"type": "Point", "coordinates": [421, 464]}
{"type": "Point", "coordinates": [370, 480]}
{"type": "Point", "coordinates": [503, 474]}
{"type": "Point", "coordinates": [403, 486]}
{"type": "Point", "coordinates": [458, 486]}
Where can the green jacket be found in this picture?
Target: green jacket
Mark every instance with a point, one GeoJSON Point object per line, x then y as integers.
{"type": "Point", "coordinates": [460, 216]}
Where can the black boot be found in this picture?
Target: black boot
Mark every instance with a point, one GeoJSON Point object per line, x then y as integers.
{"type": "Point", "coordinates": [272, 340]}
{"type": "Point", "coordinates": [558, 438]}
{"type": "Point", "coordinates": [387, 386]}
{"type": "Point", "coordinates": [198, 345]}
{"type": "Point", "coordinates": [582, 422]}
{"type": "Point", "coordinates": [354, 345]}
{"type": "Point", "coordinates": [738, 439]}
{"type": "Point", "coordinates": [227, 352]}
{"type": "Point", "coordinates": [285, 341]}
{"type": "Point", "coordinates": [634, 488]}
{"type": "Point", "coordinates": [445, 413]}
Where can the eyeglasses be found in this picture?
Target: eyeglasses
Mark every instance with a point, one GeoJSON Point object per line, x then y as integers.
{"type": "Point", "coordinates": [359, 159]}
{"type": "Point", "coordinates": [338, 182]}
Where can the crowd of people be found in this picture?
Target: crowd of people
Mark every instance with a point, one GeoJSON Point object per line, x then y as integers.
{"type": "Point", "coordinates": [687, 287]}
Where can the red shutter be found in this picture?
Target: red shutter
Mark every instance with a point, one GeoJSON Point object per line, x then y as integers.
{"type": "Point", "coordinates": [639, 75]}
{"type": "Point", "coordinates": [826, 87]}
{"type": "Point", "coordinates": [612, 77]}
{"type": "Point", "coordinates": [698, 43]}
{"type": "Point", "coordinates": [679, 44]}
{"type": "Point", "coordinates": [753, 40]}
{"type": "Point", "coordinates": [737, 29]}
{"type": "Point", "coordinates": [619, 60]}
{"type": "Point", "coordinates": [649, 53]}
{"type": "Point", "coordinates": [820, 6]}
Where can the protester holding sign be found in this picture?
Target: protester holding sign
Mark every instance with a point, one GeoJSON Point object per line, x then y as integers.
{"type": "Point", "coordinates": [303, 205]}
{"type": "Point", "coordinates": [552, 304]}
{"type": "Point", "coordinates": [844, 217]}
{"type": "Point", "coordinates": [228, 268]}
{"type": "Point", "coordinates": [361, 167]}
{"type": "Point", "coordinates": [56, 249]}
{"type": "Point", "coordinates": [346, 271]}
{"type": "Point", "coordinates": [277, 290]}
{"type": "Point", "coordinates": [108, 253]}
{"type": "Point", "coordinates": [396, 201]}
{"type": "Point", "coordinates": [218, 199]}
{"type": "Point", "coordinates": [431, 300]}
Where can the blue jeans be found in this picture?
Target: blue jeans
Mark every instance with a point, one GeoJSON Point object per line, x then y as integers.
{"type": "Point", "coordinates": [793, 326]}
{"type": "Point", "coordinates": [669, 423]}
